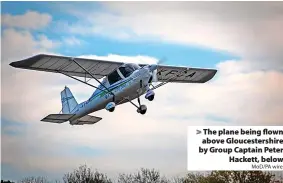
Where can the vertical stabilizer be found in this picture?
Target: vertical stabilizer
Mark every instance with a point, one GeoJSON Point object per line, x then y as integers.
{"type": "Point", "coordinates": [68, 101]}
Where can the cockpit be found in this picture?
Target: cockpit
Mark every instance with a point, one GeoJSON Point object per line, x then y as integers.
{"type": "Point", "coordinates": [127, 69]}
{"type": "Point", "coordinates": [122, 72]}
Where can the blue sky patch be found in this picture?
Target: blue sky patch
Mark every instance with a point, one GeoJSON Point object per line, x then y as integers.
{"type": "Point", "coordinates": [175, 54]}
{"type": "Point", "coordinates": [100, 45]}
{"type": "Point", "coordinates": [86, 151]}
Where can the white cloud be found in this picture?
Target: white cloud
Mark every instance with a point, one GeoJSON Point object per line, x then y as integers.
{"type": "Point", "coordinates": [127, 138]}
{"type": "Point", "coordinates": [73, 41]}
{"type": "Point", "coordinates": [248, 29]}
{"type": "Point", "coordinates": [24, 44]}
{"type": "Point", "coordinates": [241, 98]}
{"type": "Point", "coordinates": [20, 44]}
{"type": "Point", "coordinates": [29, 20]}
{"type": "Point", "coordinates": [140, 59]}
{"type": "Point", "coordinates": [23, 87]}
{"type": "Point", "coordinates": [240, 93]}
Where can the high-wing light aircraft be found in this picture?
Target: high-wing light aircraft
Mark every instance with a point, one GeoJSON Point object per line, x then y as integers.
{"type": "Point", "coordinates": [121, 83]}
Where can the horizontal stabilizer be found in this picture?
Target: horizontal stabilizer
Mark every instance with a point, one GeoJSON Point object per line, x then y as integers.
{"type": "Point", "coordinates": [57, 118]}
{"type": "Point", "coordinates": [88, 119]}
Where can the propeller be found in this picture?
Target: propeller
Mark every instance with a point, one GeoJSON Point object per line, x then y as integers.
{"type": "Point", "coordinates": [154, 69]}
{"type": "Point", "coordinates": [161, 61]}
{"type": "Point", "coordinates": [154, 76]}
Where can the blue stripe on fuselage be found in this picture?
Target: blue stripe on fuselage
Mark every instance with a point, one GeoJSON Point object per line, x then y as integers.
{"type": "Point", "coordinates": [98, 92]}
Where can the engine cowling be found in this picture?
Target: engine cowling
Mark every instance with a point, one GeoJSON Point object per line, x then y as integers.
{"type": "Point", "coordinates": [153, 70]}
{"type": "Point", "coordinates": [110, 106]}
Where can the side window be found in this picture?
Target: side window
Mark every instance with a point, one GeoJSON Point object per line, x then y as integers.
{"type": "Point", "coordinates": [113, 77]}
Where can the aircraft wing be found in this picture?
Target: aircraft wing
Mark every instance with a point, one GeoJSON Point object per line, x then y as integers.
{"type": "Point", "coordinates": [184, 74]}
{"type": "Point", "coordinates": [101, 68]}
{"type": "Point", "coordinates": [62, 64]}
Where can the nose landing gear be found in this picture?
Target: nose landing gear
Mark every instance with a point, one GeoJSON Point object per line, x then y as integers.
{"type": "Point", "coordinates": [150, 95]}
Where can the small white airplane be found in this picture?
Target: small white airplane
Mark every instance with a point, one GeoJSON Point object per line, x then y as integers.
{"type": "Point", "coordinates": [121, 83]}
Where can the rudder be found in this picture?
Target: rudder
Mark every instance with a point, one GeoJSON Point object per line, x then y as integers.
{"type": "Point", "coordinates": [68, 101]}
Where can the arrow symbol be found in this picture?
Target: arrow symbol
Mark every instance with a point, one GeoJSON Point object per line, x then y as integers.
{"type": "Point", "coordinates": [198, 131]}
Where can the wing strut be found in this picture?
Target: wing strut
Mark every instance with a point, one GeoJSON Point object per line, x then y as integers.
{"type": "Point", "coordinates": [74, 60]}
{"type": "Point", "coordinates": [80, 80]}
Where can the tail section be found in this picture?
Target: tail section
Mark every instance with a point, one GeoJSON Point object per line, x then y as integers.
{"type": "Point", "coordinates": [68, 101]}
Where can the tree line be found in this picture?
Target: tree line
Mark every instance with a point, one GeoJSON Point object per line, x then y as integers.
{"type": "Point", "coordinates": [84, 174]}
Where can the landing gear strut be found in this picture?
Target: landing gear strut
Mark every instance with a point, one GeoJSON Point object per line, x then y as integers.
{"type": "Point", "coordinates": [141, 108]}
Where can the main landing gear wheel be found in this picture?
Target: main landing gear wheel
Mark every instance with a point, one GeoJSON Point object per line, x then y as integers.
{"type": "Point", "coordinates": [150, 98]}
{"type": "Point", "coordinates": [110, 106]}
{"type": "Point", "coordinates": [142, 109]}
{"type": "Point", "coordinates": [111, 109]}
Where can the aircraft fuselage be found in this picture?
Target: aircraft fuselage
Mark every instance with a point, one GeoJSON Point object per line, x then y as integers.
{"type": "Point", "coordinates": [124, 90]}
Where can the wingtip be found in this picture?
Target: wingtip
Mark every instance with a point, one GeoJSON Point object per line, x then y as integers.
{"type": "Point", "coordinates": [214, 73]}
{"type": "Point", "coordinates": [12, 64]}
{"type": "Point", "coordinates": [209, 76]}
{"type": "Point", "coordinates": [28, 61]}
{"type": "Point", "coordinates": [16, 64]}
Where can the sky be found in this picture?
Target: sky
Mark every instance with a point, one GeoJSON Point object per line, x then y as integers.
{"type": "Point", "coordinates": [242, 40]}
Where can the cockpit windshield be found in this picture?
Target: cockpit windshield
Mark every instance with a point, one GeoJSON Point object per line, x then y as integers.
{"type": "Point", "coordinates": [113, 77]}
{"type": "Point", "coordinates": [128, 69]}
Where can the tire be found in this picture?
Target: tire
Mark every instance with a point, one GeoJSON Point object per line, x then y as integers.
{"type": "Point", "coordinates": [150, 98]}
{"type": "Point", "coordinates": [112, 109]}
{"type": "Point", "coordinates": [143, 109]}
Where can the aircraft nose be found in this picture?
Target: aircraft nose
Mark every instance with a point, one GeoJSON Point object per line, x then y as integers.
{"type": "Point", "coordinates": [152, 67]}
{"type": "Point", "coordinates": [146, 73]}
